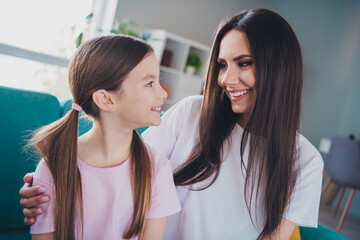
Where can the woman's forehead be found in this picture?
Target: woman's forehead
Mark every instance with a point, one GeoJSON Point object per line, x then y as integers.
{"type": "Point", "coordinates": [234, 43]}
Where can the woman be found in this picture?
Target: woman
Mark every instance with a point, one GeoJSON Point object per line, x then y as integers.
{"type": "Point", "coordinates": [241, 167]}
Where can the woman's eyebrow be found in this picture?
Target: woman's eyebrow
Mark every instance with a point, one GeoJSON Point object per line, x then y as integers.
{"type": "Point", "coordinates": [241, 57]}
{"type": "Point", "coordinates": [219, 59]}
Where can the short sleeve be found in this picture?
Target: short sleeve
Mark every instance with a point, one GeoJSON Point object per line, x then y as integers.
{"type": "Point", "coordinates": [44, 222]}
{"type": "Point", "coordinates": [305, 201]}
{"type": "Point", "coordinates": [164, 198]}
{"type": "Point", "coordinates": [164, 137]}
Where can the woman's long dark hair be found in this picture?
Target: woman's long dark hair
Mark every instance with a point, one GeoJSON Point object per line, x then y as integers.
{"type": "Point", "coordinates": [101, 63]}
{"type": "Point", "coordinates": [272, 126]}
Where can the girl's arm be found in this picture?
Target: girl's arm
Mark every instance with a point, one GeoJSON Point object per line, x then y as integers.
{"type": "Point", "coordinates": [45, 236]}
{"type": "Point", "coordinates": [154, 229]}
{"type": "Point", "coordinates": [283, 232]}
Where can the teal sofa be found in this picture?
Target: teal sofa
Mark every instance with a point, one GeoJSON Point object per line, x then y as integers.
{"type": "Point", "coordinates": [21, 113]}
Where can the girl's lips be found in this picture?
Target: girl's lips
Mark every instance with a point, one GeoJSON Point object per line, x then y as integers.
{"type": "Point", "coordinates": [237, 95]}
{"type": "Point", "coordinates": [156, 109]}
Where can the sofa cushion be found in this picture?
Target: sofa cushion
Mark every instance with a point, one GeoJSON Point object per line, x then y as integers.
{"type": "Point", "coordinates": [21, 112]}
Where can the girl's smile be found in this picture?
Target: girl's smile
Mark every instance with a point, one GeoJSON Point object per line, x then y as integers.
{"type": "Point", "coordinates": [156, 109]}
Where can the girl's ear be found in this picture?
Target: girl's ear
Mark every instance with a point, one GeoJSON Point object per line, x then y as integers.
{"type": "Point", "coordinates": [104, 100]}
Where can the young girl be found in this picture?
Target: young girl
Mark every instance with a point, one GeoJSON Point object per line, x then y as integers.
{"type": "Point", "coordinates": [107, 184]}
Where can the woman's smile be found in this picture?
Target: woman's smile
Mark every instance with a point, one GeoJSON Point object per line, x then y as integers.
{"type": "Point", "coordinates": [237, 95]}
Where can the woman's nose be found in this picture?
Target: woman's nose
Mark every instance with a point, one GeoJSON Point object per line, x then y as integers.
{"type": "Point", "coordinates": [229, 77]}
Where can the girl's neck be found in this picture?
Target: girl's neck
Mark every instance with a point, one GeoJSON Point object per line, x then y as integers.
{"type": "Point", "coordinates": [105, 146]}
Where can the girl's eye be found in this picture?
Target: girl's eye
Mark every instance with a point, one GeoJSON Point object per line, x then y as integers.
{"type": "Point", "coordinates": [149, 84]}
{"type": "Point", "coordinates": [245, 64]}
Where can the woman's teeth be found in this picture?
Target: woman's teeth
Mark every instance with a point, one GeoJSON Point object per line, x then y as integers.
{"type": "Point", "coordinates": [236, 94]}
{"type": "Point", "coordinates": [158, 109]}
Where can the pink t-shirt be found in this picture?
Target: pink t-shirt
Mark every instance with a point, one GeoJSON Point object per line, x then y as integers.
{"type": "Point", "coordinates": [107, 197]}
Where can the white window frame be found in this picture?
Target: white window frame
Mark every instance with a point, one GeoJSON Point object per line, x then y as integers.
{"type": "Point", "coordinates": [104, 13]}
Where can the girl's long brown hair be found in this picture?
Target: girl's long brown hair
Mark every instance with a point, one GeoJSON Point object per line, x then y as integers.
{"type": "Point", "coordinates": [101, 63]}
{"type": "Point", "coordinates": [275, 118]}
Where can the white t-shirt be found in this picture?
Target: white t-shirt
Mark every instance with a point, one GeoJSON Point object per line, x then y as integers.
{"type": "Point", "coordinates": [220, 212]}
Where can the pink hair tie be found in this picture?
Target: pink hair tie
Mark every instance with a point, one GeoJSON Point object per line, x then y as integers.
{"type": "Point", "coordinates": [76, 107]}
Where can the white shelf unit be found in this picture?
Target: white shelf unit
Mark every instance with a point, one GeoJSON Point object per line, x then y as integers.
{"type": "Point", "coordinates": [172, 52]}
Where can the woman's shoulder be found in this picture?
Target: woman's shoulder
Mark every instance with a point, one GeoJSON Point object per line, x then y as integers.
{"type": "Point", "coordinates": [308, 153]}
{"type": "Point", "coordinates": [180, 119]}
{"type": "Point", "coordinates": [189, 104]}
{"type": "Point", "coordinates": [194, 100]}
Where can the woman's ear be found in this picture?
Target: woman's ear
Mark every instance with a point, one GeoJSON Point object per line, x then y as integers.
{"type": "Point", "coordinates": [104, 100]}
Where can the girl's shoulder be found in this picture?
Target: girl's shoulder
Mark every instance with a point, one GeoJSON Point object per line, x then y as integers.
{"type": "Point", "coordinates": [42, 172]}
{"type": "Point", "coordinates": [157, 159]}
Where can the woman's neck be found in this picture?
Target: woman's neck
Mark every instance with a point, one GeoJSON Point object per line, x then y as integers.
{"type": "Point", "coordinates": [105, 146]}
{"type": "Point", "coordinates": [243, 119]}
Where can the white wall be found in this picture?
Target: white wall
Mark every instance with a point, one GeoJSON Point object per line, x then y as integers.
{"type": "Point", "coordinates": [329, 33]}
{"type": "Point", "coordinates": [194, 19]}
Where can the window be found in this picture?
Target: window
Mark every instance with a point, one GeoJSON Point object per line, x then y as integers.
{"type": "Point", "coordinates": [37, 40]}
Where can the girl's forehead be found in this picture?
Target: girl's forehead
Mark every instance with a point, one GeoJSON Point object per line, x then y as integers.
{"type": "Point", "coordinates": [147, 66]}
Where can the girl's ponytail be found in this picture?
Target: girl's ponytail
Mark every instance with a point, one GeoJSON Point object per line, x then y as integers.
{"type": "Point", "coordinates": [141, 185]}
{"type": "Point", "coordinates": [57, 144]}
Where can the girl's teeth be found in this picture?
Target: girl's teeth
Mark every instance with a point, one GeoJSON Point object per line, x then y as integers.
{"type": "Point", "coordinates": [236, 94]}
{"type": "Point", "coordinates": [156, 109]}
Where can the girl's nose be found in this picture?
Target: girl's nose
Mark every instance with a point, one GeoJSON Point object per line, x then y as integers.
{"type": "Point", "coordinates": [163, 93]}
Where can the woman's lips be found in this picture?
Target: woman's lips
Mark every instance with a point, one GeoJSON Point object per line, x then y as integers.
{"type": "Point", "coordinates": [237, 95]}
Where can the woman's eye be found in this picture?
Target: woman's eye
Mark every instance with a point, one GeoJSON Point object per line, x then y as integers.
{"type": "Point", "coordinates": [222, 65]}
{"type": "Point", "coordinates": [149, 84]}
{"type": "Point", "coordinates": [245, 64]}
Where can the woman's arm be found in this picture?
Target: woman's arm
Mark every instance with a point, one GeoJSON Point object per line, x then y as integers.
{"type": "Point", "coordinates": [45, 236]}
{"type": "Point", "coordinates": [154, 229]}
{"type": "Point", "coordinates": [30, 198]}
{"type": "Point", "coordinates": [283, 231]}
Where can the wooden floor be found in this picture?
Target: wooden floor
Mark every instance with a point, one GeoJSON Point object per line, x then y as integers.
{"type": "Point", "coordinates": [350, 228]}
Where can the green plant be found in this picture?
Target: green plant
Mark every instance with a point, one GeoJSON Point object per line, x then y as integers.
{"type": "Point", "coordinates": [194, 60]}
{"type": "Point", "coordinates": [80, 32]}
{"type": "Point", "coordinates": [126, 26]}
{"type": "Point", "coordinates": [129, 27]}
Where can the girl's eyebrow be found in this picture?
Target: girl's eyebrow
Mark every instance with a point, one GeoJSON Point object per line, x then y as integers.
{"type": "Point", "coordinates": [148, 76]}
